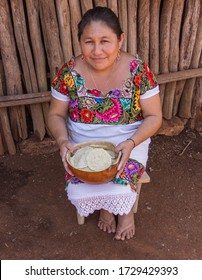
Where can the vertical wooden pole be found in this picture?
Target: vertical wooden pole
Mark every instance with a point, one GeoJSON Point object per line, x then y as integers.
{"type": "Point", "coordinates": [189, 33]}
{"type": "Point", "coordinates": [113, 5]}
{"type": "Point", "coordinates": [189, 29]}
{"type": "Point", "coordinates": [12, 72]}
{"type": "Point", "coordinates": [51, 36]}
{"type": "Point", "coordinates": [37, 43]}
{"type": "Point", "coordinates": [176, 24]}
{"type": "Point", "coordinates": [38, 52]}
{"type": "Point", "coordinates": [185, 108]}
{"type": "Point", "coordinates": [75, 14]}
{"type": "Point", "coordinates": [196, 120]}
{"type": "Point", "coordinates": [165, 22]}
{"type": "Point", "coordinates": [86, 5]}
{"type": "Point", "coordinates": [154, 36]}
{"type": "Point", "coordinates": [143, 29]}
{"type": "Point", "coordinates": [63, 15]}
{"type": "Point", "coordinates": [122, 10]}
{"type": "Point", "coordinates": [27, 65]}
{"type": "Point", "coordinates": [173, 59]}
{"type": "Point", "coordinates": [132, 26]}
{"type": "Point", "coordinates": [5, 134]}
{"type": "Point", "coordinates": [102, 3]}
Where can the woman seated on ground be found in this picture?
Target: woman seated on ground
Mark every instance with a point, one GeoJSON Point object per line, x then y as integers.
{"type": "Point", "coordinates": [105, 94]}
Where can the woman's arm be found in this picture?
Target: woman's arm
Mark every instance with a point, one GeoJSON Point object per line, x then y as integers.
{"type": "Point", "coordinates": [152, 113]}
{"type": "Point", "coordinates": [57, 117]}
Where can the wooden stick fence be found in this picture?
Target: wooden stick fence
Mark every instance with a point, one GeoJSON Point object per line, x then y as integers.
{"type": "Point", "coordinates": [38, 36]}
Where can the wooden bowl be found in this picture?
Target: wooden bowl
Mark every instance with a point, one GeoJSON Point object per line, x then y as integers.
{"type": "Point", "coordinates": [95, 177]}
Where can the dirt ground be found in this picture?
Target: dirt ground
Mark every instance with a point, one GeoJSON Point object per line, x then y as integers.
{"type": "Point", "coordinates": [38, 222]}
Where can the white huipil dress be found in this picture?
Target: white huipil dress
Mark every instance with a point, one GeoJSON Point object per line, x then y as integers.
{"type": "Point", "coordinates": [115, 198]}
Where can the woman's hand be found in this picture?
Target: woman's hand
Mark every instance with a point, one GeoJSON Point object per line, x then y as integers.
{"type": "Point", "coordinates": [64, 146]}
{"type": "Point", "coordinates": [125, 147]}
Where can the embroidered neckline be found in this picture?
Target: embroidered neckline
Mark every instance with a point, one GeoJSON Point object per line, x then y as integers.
{"type": "Point", "coordinates": [118, 107]}
{"type": "Point", "coordinates": [71, 64]}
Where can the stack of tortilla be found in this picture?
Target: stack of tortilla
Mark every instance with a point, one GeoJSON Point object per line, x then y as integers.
{"type": "Point", "coordinates": [92, 159]}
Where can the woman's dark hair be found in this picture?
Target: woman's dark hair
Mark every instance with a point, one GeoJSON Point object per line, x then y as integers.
{"type": "Point", "coordinates": [103, 14]}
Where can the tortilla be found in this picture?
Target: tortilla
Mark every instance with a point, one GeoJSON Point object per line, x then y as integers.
{"type": "Point", "coordinates": [92, 159]}
{"type": "Point", "coordinates": [79, 158]}
{"type": "Point", "coordinates": [98, 159]}
{"type": "Point", "coordinates": [112, 154]}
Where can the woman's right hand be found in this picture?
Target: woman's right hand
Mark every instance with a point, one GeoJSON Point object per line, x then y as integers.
{"type": "Point", "coordinates": [64, 146]}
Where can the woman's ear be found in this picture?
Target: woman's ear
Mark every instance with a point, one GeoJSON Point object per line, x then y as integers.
{"type": "Point", "coordinates": [122, 38]}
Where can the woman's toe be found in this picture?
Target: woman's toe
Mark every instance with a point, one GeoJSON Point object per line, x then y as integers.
{"type": "Point", "coordinates": [118, 235]}
{"type": "Point", "coordinates": [123, 236]}
{"type": "Point", "coordinates": [107, 222]}
{"type": "Point", "coordinates": [113, 228]}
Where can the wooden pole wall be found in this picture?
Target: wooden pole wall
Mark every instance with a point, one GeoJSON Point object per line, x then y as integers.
{"type": "Point", "coordinates": [154, 36]}
{"type": "Point", "coordinates": [12, 72]}
{"type": "Point", "coordinates": [188, 37]}
{"type": "Point", "coordinates": [6, 134]}
{"type": "Point", "coordinates": [30, 79]}
{"type": "Point", "coordinates": [143, 25]}
{"type": "Point", "coordinates": [38, 36]}
{"type": "Point", "coordinates": [37, 46]}
{"type": "Point", "coordinates": [185, 108]}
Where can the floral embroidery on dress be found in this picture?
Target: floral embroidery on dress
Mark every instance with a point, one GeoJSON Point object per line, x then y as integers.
{"type": "Point", "coordinates": [132, 172]}
{"type": "Point", "coordinates": [119, 106]}
{"type": "Point", "coordinates": [133, 65]}
{"type": "Point", "coordinates": [71, 179]}
{"type": "Point", "coordinates": [64, 82]}
{"type": "Point", "coordinates": [79, 81]}
{"type": "Point", "coordinates": [144, 79]}
{"type": "Point", "coordinates": [112, 114]}
{"type": "Point", "coordinates": [87, 115]}
{"type": "Point", "coordinates": [94, 92]}
{"type": "Point", "coordinates": [126, 103]}
{"type": "Point", "coordinates": [74, 114]}
{"type": "Point", "coordinates": [89, 102]}
{"type": "Point", "coordinates": [136, 105]}
{"type": "Point", "coordinates": [68, 80]}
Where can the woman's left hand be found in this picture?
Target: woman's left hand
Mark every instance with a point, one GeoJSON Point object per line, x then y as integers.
{"type": "Point", "coordinates": [125, 147]}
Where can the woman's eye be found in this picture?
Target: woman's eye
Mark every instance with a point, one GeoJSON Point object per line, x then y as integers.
{"type": "Point", "coordinates": [88, 42]}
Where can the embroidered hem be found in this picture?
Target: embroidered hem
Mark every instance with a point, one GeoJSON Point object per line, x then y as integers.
{"type": "Point", "coordinates": [115, 204]}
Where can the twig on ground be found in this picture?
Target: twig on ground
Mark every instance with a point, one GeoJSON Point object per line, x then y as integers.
{"type": "Point", "coordinates": [185, 148]}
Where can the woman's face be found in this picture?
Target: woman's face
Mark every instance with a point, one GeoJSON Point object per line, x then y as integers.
{"type": "Point", "coordinates": [100, 45]}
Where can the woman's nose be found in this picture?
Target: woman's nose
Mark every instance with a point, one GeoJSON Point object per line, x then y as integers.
{"type": "Point", "coordinates": [97, 49]}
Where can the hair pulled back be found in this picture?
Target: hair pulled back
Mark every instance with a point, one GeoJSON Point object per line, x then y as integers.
{"type": "Point", "coordinates": [103, 14]}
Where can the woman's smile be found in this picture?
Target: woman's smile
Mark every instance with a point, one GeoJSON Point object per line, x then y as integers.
{"type": "Point", "coordinates": [98, 59]}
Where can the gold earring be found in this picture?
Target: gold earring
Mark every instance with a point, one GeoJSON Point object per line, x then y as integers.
{"type": "Point", "coordinates": [82, 57]}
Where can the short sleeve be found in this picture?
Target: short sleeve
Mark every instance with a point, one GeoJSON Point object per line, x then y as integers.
{"type": "Point", "coordinates": [150, 93]}
{"type": "Point", "coordinates": [145, 81]}
{"type": "Point", "coordinates": [149, 85]}
{"type": "Point", "coordinates": [63, 84]}
{"type": "Point", "coordinates": [56, 94]}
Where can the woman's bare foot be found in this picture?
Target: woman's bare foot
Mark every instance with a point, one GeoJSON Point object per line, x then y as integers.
{"type": "Point", "coordinates": [126, 226]}
{"type": "Point", "coordinates": [107, 221]}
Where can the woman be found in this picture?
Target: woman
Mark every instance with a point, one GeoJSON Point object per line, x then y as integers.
{"type": "Point", "coordinates": [105, 93]}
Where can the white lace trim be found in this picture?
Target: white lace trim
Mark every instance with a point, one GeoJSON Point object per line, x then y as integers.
{"type": "Point", "coordinates": [116, 204]}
